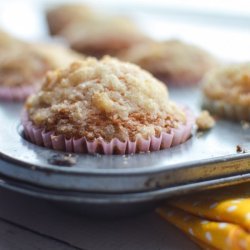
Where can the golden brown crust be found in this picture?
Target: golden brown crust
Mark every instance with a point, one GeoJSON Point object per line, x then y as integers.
{"type": "Point", "coordinates": [61, 16]}
{"type": "Point", "coordinates": [105, 98]}
{"type": "Point", "coordinates": [103, 36]}
{"type": "Point", "coordinates": [230, 84]}
{"type": "Point", "coordinates": [172, 61]}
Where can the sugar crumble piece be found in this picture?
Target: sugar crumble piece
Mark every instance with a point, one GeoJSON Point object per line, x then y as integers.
{"type": "Point", "coordinates": [205, 121]}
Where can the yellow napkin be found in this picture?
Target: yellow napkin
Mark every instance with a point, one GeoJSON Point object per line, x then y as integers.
{"type": "Point", "coordinates": [215, 219]}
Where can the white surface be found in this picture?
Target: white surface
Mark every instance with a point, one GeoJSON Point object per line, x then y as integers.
{"type": "Point", "coordinates": [145, 232]}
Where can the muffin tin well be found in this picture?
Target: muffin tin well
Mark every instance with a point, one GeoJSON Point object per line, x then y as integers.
{"type": "Point", "coordinates": [205, 160]}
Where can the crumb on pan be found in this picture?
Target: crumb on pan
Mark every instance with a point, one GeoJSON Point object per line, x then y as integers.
{"type": "Point", "coordinates": [63, 160]}
{"type": "Point", "coordinates": [205, 121]}
{"type": "Point", "coordinates": [239, 149]}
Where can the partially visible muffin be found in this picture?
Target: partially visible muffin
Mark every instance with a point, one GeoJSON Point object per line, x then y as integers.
{"type": "Point", "coordinates": [103, 36]}
{"type": "Point", "coordinates": [173, 61]}
{"type": "Point", "coordinates": [104, 106]}
{"type": "Point", "coordinates": [57, 55]}
{"type": "Point", "coordinates": [7, 41]}
{"type": "Point", "coordinates": [226, 91]}
{"type": "Point", "coordinates": [21, 71]}
{"type": "Point", "coordinates": [23, 65]}
{"type": "Point", "coordinates": [59, 17]}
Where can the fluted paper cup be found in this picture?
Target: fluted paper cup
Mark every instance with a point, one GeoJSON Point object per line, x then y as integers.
{"type": "Point", "coordinates": [50, 139]}
{"type": "Point", "coordinates": [16, 93]}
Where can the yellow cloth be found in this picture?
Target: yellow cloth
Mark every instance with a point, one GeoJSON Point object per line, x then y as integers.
{"type": "Point", "coordinates": [215, 219]}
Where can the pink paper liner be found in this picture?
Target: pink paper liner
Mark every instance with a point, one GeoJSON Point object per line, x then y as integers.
{"type": "Point", "coordinates": [180, 81]}
{"type": "Point", "coordinates": [58, 142]}
{"type": "Point", "coordinates": [16, 93]}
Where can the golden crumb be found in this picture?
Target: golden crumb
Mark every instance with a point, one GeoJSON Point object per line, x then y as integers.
{"type": "Point", "coordinates": [205, 121]}
{"type": "Point", "coordinates": [104, 98]}
{"type": "Point", "coordinates": [230, 84]}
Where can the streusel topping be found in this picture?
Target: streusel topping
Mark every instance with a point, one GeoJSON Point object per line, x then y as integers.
{"type": "Point", "coordinates": [103, 98]}
{"type": "Point", "coordinates": [229, 83]}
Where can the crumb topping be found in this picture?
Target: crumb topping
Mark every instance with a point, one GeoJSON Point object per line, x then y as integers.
{"type": "Point", "coordinates": [104, 98]}
{"type": "Point", "coordinates": [205, 121]}
{"type": "Point", "coordinates": [171, 59]}
{"type": "Point", "coordinates": [230, 84]}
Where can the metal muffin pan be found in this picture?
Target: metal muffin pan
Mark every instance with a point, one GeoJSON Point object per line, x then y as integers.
{"type": "Point", "coordinates": [204, 161]}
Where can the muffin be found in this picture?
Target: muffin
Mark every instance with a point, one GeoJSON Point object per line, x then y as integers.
{"type": "Point", "coordinates": [103, 36]}
{"type": "Point", "coordinates": [60, 16]}
{"type": "Point", "coordinates": [173, 61]}
{"type": "Point", "coordinates": [21, 71]}
{"type": "Point", "coordinates": [104, 106]}
{"type": "Point", "coordinates": [57, 55]}
{"type": "Point", "coordinates": [7, 41]}
{"type": "Point", "coordinates": [23, 66]}
{"type": "Point", "coordinates": [226, 91]}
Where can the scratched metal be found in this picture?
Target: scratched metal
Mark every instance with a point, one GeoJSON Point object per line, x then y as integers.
{"type": "Point", "coordinates": [202, 160]}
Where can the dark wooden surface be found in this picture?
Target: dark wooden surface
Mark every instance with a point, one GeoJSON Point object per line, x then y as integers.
{"type": "Point", "coordinates": [27, 223]}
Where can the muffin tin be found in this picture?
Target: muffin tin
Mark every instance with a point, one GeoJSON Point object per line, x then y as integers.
{"type": "Point", "coordinates": [104, 184]}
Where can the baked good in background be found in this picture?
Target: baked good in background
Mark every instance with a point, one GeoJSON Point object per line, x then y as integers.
{"type": "Point", "coordinates": [105, 35]}
{"type": "Point", "coordinates": [23, 65]}
{"type": "Point", "coordinates": [92, 32]}
{"type": "Point", "coordinates": [174, 62]}
{"type": "Point", "coordinates": [104, 106]}
{"type": "Point", "coordinates": [21, 68]}
{"type": "Point", "coordinates": [8, 41]}
{"type": "Point", "coordinates": [57, 55]}
{"type": "Point", "coordinates": [226, 91]}
{"type": "Point", "coordinates": [60, 16]}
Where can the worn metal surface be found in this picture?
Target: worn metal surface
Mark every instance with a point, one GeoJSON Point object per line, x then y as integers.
{"type": "Point", "coordinates": [210, 156]}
